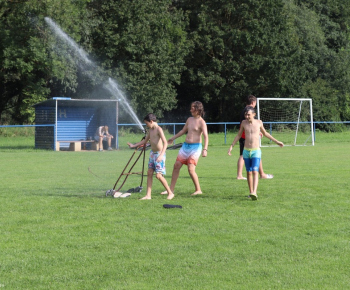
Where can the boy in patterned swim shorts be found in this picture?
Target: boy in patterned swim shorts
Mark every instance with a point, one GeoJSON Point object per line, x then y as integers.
{"type": "Point", "coordinates": [252, 152]}
{"type": "Point", "coordinates": [156, 161]}
{"type": "Point", "coordinates": [191, 149]}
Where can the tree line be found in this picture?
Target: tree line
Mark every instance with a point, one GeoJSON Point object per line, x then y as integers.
{"type": "Point", "coordinates": [165, 54]}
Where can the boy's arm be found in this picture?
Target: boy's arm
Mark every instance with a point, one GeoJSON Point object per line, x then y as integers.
{"type": "Point", "coordinates": [263, 131]}
{"type": "Point", "coordinates": [165, 144]}
{"type": "Point", "coordinates": [238, 136]}
{"type": "Point", "coordinates": [206, 139]}
{"type": "Point", "coordinates": [100, 132]}
{"type": "Point", "coordinates": [138, 144]}
{"type": "Point", "coordinates": [180, 133]}
{"type": "Point", "coordinates": [107, 134]}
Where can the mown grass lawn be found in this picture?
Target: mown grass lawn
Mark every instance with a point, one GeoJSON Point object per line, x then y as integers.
{"type": "Point", "coordinates": [59, 231]}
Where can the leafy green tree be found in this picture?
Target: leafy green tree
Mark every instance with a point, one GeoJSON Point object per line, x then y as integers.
{"type": "Point", "coordinates": [240, 47]}
{"type": "Point", "coordinates": [28, 73]}
{"type": "Point", "coordinates": [270, 49]}
{"type": "Point", "coordinates": [325, 105]}
{"type": "Point", "coordinates": [142, 43]}
{"type": "Point", "coordinates": [165, 54]}
{"type": "Point", "coordinates": [321, 28]}
{"type": "Point", "coordinates": [21, 59]}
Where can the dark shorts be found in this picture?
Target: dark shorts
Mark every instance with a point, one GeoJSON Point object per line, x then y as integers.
{"type": "Point", "coordinates": [241, 146]}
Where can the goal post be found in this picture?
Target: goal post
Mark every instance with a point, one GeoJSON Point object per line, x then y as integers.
{"type": "Point", "coordinates": [289, 120]}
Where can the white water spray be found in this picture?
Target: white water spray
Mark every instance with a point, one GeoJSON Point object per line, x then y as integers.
{"type": "Point", "coordinates": [111, 85]}
{"type": "Point", "coordinates": [59, 32]}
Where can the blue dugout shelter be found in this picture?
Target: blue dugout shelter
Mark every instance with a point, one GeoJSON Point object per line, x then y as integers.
{"type": "Point", "coordinates": [74, 120]}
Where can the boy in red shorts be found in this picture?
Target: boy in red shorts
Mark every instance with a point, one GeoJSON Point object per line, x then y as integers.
{"type": "Point", "coordinates": [191, 149]}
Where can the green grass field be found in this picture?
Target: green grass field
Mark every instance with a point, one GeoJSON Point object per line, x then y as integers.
{"type": "Point", "coordinates": [59, 231]}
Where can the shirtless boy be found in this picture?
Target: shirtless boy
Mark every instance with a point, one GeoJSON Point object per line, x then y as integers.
{"type": "Point", "coordinates": [156, 161]}
{"type": "Point", "coordinates": [191, 149]}
{"type": "Point", "coordinates": [252, 152]}
{"type": "Point", "coordinates": [250, 101]}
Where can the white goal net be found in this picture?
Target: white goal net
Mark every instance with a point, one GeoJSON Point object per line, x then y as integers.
{"type": "Point", "coordinates": [288, 120]}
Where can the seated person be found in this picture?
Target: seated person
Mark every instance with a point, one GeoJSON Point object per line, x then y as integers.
{"type": "Point", "coordinates": [103, 135]}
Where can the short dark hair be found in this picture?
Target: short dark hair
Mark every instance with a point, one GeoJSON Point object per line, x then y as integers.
{"type": "Point", "coordinates": [199, 108]}
{"type": "Point", "coordinates": [250, 100]}
{"type": "Point", "coordinates": [249, 108]}
{"type": "Point", "coordinates": [150, 117]}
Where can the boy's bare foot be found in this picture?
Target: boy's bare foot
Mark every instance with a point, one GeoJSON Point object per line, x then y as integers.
{"type": "Point", "coordinates": [241, 178]}
{"type": "Point", "coordinates": [164, 192]}
{"type": "Point", "coordinates": [266, 176]}
{"type": "Point", "coordinates": [170, 196]}
{"type": "Point", "coordinates": [145, 197]}
{"type": "Point", "coordinates": [197, 192]}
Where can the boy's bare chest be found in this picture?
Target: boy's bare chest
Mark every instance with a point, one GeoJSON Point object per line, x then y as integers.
{"type": "Point", "coordinates": [153, 135]}
{"type": "Point", "coordinates": [252, 128]}
{"type": "Point", "coordinates": [194, 126]}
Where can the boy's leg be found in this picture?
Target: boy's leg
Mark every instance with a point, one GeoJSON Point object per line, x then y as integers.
{"type": "Point", "coordinates": [174, 176]}
{"type": "Point", "coordinates": [109, 141]}
{"type": "Point", "coordinates": [254, 184]}
{"type": "Point", "coordinates": [194, 177]}
{"type": "Point", "coordinates": [253, 178]}
{"type": "Point", "coordinates": [248, 167]}
{"type": "Point", "coordinates": [255, 163]}
{"type": "Point", "coordinates": [250, 181]}
{"type": "Point", "coordinates": [161, 178]}
{"type": "Point", "coordinates": [100, 144]}
{"type": "Point", "coordinates": [149, 184]}
{"type": "Point", "coordinates": [263, 175]}
{"type": "Point", "coordinates": [240, 164]}
{"type": "Point", "coordinates": [255, 181]}
{"type": "Point", "coordinates": [252, 173]}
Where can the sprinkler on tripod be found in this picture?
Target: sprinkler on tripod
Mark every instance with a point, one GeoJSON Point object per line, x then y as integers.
{"type": "Point", "coordinates": [127, 172]}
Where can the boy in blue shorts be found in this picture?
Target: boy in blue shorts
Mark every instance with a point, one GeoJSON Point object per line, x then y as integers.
{"type": "Point", "coordinates": [156, 161]}
{"type": "Point", "coordinates": [252, 152]}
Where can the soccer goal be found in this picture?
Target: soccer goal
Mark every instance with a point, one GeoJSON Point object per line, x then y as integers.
{"type": "Point", "coordinates": [288, 120]}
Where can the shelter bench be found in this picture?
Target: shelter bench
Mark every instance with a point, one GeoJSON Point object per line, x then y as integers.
{"type": "Point", "coordinates": [76, 145]}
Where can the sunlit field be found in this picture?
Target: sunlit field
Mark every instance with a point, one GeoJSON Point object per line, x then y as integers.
{"type": "Point", "coordinates": [59, 231]}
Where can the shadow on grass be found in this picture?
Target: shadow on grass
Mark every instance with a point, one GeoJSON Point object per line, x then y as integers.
{"type": "Point", "coordinates": [18, 147]}
{"type": "Point", "coordinates": [70, 195]}
{"type": "Point", "coordinates": [66, 194]}
{"type": "Point", "coordinates": [237, 196]}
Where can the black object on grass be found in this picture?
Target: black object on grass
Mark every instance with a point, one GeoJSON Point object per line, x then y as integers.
{"type": "Point", "coordinates": [171, 206]}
